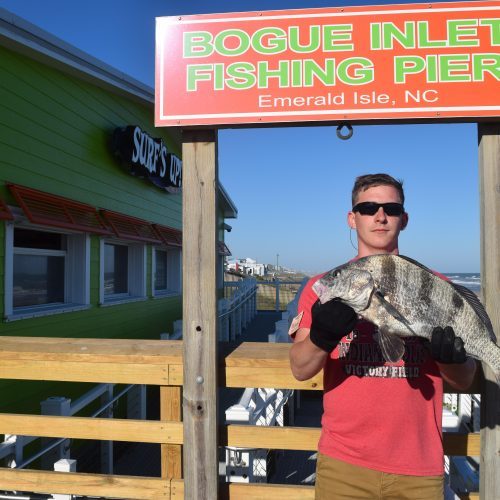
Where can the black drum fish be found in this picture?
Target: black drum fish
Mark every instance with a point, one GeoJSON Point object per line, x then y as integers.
{"type": "Point", "coordinates": [404, 298]}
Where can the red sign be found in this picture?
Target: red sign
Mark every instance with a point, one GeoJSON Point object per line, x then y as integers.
{"type": "Point", "coordinates": [417, 61]}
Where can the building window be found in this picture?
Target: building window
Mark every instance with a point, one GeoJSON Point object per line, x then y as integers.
{"type": "Point", "coordinates": [45, 272]}
{"type": "Point", "coordinates": [39, 262]}
{"type": "Point", "coordinates": [161, 275]}
{"type": "Point", "coordinates": [115, 269]}
{"type": "Point", "coordinates": [166, 271]}
{"type": "Point", "coordinates": [122, 271]}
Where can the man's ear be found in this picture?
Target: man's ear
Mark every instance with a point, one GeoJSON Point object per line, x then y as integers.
{"type": "Point", "coordinates": [404, 222]}
{"type": "Point", "coordinates": [351, 220]}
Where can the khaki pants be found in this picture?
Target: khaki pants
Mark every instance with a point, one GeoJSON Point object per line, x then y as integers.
{"type": "Point", "coordinates": [337, 480]}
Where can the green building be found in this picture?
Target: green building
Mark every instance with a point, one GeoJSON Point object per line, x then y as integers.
{"type": "Point", "coordinates": [90, 201]}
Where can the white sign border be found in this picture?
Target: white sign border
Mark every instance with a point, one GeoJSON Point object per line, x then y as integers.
{"type": "Point", "coordinates": [165, 21]}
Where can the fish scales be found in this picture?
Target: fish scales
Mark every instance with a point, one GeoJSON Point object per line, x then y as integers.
{"type": "Point", "coordinates": [409, 285]}
{"type": "Point", "coordinates": [404, 298]}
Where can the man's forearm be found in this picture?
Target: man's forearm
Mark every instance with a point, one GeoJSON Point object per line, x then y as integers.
{"type": "Point", "coordinates": [306, 359]}
{"type": "Point", "coordinates": [459, 376]}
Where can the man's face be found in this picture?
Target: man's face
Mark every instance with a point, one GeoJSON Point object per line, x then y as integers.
{"type": "Point", "coordinates": [377, 233]}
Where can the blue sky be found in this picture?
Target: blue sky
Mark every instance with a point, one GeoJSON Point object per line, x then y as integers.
{"type": "Point", "coordinates": [292, 185]}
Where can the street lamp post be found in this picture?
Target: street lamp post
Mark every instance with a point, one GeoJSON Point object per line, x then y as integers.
{"type": "Point", "coordinates": [277, 284]}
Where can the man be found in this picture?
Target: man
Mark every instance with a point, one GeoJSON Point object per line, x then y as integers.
{"type": "Point", "coordinates": [381, 426]}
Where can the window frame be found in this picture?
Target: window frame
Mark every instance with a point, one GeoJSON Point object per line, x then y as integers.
{"type": "Point", "coordinates": [76, 277]}
{"type": "Point", "coordinates": [136, 273]}
{"type": "Point", "coordinates": [174, 272]}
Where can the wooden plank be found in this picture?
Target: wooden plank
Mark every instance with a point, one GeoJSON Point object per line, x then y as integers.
{"type": "Point", "coordinates": [273, 438]}
{"type": "Point", "coordinates": [466, 445]}
{"type": "Point", "coordinates": [176, 489]}
{"type": "Point", "coordinates": [240, 491]}
{"type": "Point", "coordinates": [142, 431]}
{"type": "Point", "coordinates": [175, 374]}
{"type": "Point", "coordinates": [489, 185]}
{"type": "Point", "coordinates": [260, 354]}
{"type": "Point", "coordinates": [98, 485]}
{"type": "Point", "coordinates": [91, 350]}
{"type": "Point", "coordinates": [199, 254]}
{"type": "Point", "coordinates": [120, 373]}
{"type": "Point", "coordinates": [281, 378]}
{"type": "Point", "coordinates": [170, 410]}
{"type": "Point", "coordinates": [306, 438]}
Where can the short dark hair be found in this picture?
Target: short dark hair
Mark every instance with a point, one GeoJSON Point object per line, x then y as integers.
{"type": "Point", "coordinates": [364, 182]}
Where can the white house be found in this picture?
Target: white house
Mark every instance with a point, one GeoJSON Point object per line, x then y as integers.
{"type": "Point", "coordinates": [247, 266]}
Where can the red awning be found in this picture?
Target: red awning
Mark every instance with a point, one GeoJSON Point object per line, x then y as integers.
{"type": "Point", "coordinates": [130, 228]}
{"type": "Point", "coordinates": [5, 212]}
{"type": "Point", "coordinates": [223, 249]}
{"type": "Point", "coordinates": [168, 235]}
{"type": "Point", "coordinates": [51, 210]}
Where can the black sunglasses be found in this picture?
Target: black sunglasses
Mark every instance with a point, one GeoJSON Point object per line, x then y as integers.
{"type": "Point", "coordinates": [371, 208]}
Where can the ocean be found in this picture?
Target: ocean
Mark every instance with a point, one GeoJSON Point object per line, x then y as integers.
{"type": "Point", "coordinates": [469, 280]}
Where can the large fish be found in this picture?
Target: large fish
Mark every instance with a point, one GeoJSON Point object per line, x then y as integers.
{"type": "Point", "coordinates": [404, 298]}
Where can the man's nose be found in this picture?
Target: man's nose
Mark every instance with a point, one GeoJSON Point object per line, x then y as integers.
{"type": "Point", "coordinates": [381, 215]}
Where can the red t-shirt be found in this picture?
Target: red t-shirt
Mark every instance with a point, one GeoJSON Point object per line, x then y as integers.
{"type": "Point", "coordinates": [379, 415]}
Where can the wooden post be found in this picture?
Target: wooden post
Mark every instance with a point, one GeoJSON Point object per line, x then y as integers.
{"type": "Point", "coordinates": [199, 215]}
{"type": "Point", "coordinates": [489, 181]}
{"type": "Point", "coordinates": [170, 410]}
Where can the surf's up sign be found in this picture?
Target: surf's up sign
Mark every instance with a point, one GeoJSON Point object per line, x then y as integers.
{"type": "Point", "coordinates": [420, 61]}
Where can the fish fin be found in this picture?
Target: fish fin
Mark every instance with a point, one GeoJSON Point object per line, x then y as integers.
{"type": "Point", "coordinates": [418, 264]}
{"type": "Point", "coordinates": [392, 346]}
{"type": "Point", "coordinates": [475, 303]}
{"type": "Point", "coordinates": [392, 310]}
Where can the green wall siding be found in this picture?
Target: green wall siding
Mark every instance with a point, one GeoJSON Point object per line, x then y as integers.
{"type": "Point", "coordinates": [54, 136]}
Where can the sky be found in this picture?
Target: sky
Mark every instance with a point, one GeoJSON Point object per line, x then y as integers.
{"type": "Point", "coordinates": [292, 186]}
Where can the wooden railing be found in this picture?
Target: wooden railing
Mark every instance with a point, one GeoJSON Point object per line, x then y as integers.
{"type": "Point", "coordinates": [155, 363]}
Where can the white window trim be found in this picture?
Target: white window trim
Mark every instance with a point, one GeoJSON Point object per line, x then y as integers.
{"type": "Point", "coordinates": [46, 309]}
{"type": "Point", "coordinates": [136, 274]}
{"type": "Point", "coordinates": [174, 273]}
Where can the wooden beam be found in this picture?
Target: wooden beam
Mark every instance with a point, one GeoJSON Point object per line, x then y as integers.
{"type": "Point", "coordinates": [80, 371]}
{"type": "Point", "coordinates": [274, 491]}
{"type": "Point", "coordinates": [259, 377]}
{"type": "Point", "coordinates": [87, 349]}
{"type": "Point", "coordinates": [489, 187]}
{"type": "Point", "coordinates": [461, 445]}
{"type": "Point", "coordinates": [199, 253]}
{"type": "Point", "coordinates": [98, 485]}
{"type": "Point", "coordinates": [170, 410]}
{"type": "Point", "coordinates": [106, 429]}
{"type": "Point", "coordinates": [306, 439]}
{"type": "Point", "coordinates": [274, 438]}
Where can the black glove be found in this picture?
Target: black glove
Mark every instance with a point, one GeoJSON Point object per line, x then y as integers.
{"type": "Point", "coordinates": [446, 347]}
{"type": "Point", "coordinates": [330, 322]}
